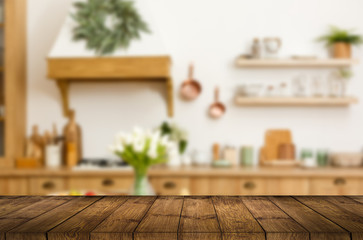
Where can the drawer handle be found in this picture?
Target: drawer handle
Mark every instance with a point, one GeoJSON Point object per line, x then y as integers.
{"type": "Point", "coordinates": [249, 185]}
{"type": "Point", "coordinates": [108, 182]}
{"type": "Point", "coordinates": [48, 185]}
{"type": "Point", "coordinates": [169, 185]}
{"type": "Point", "coordinates": [339, 181]}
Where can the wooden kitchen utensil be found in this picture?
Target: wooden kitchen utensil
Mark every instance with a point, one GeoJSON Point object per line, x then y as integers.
{"type": "Point", "coordinates": [286, 151]}
{"type": "Point", "coordinates": [72, 141]}
{"type": "Point", "coordinates": [273, 140]}
{"type": "Point", "coordinates": [217, 109]}
{"type": "Point", "coordinates": [190, 88]}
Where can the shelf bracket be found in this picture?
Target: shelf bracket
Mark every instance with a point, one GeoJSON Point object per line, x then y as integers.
{"type": "Point", "coordinates": [63, 86]}
{"type": "Point", "coordinates": [170, 97]}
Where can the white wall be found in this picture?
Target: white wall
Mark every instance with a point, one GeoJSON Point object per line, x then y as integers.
{"type": "Point", "coordinates": [211, 33]}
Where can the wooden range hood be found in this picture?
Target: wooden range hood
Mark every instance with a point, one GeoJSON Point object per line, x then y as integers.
{"type": "Point", "coordinates": [68, 70]}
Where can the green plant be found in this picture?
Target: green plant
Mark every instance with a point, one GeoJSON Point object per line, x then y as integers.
{"type": "Point", "coordinates": [341, 35]}
{"type": "Point", "coordinates": [345, 73]}
{"type": "Point", "coordinates": [141, 149]}
{"type": "Point", "coordinates": [107, 25]}
{"type": "Point", "coordinates": [175, 134]}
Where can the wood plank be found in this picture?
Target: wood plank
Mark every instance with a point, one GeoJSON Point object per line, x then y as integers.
{"type": "Point", "coordinates": [163, 217]}
{"type": "Point", "coordinates": [295, 101]}
{"type": "Point", "coordinates": [234, 217]}
{"type": "Point", "coordinates": [349, 221]}
{"type": "Point", "coordinates": [259, 63]}
{"type": "Point", "coordinates": [11, 205]}
{"type": "Point", "coordinates": [318, 226]}
{"type": "Point", "coordinates": [38, 227]}
{"type": "Point", "coordinates": [80, 225]}
{"type": "Point", "coordinates": [199, 217]}
{"type": "Point", "coordinates": [276, 223]}
{"type": "Point", "coordinates": [347, 204]}
{"type": "Point", "coordinates": [124, 220]}
{"type": "Point", "coordinates": [357, 198]}
{"type": "Point", "coordinates": [109, 68]}
{"type": "Point", "coordinates": [38, 208]}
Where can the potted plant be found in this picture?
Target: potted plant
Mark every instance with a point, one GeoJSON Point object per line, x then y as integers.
{"type": "Point", "coordinates": [341, 41]}
{"type": "Point", "coordinates": [180, 139]}
{"type": "Point", "coordinates": [142, 149]}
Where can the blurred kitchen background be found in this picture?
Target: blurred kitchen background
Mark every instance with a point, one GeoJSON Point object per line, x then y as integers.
{"type": "Point", "coordinates": [256, 97]}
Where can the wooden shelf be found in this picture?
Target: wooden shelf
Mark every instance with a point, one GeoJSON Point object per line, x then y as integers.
{"type": "Point", "coordinates": [295, 102]}
{"type": "Point", "coordinates": [292, 63]}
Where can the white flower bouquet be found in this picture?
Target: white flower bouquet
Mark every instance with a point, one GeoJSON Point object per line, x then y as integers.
{"type": "Point", "coordinates": [142, 149]}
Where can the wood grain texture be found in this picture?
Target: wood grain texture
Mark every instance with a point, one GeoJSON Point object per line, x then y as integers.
{"type": "Point", "coordinates": [162, 217]}
{"type": "Point", "coordinates": [81, 224]}
{"type": "Point", "coordinates": [39, 226]}
{"type": "Point", "coordinates": [349, 221]}
{"type": "Point", "coordinates": [11, 205]}
{"type": "Point", "coordinates": [318, 226]}
{"type": "Point", "coordinates": [37, 208]}
{"type": "Point", "coordinates": [186, 218]}
{"type": "Point", "coordinates": [347, 204]}
{"type": "Point", "coordinates": [357, 198]}
{"type": "Point", "coordinates": [124, 220]}
{"type": "Point", "coordinates": [276, 223]}
{"type": "Point", "coordinates": [234, 217]}
{"type": "Point", "coordinates": [199, 216]}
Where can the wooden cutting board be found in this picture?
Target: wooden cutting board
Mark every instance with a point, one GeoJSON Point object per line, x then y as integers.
{"type": "Point", "coordinates": [273, 139]}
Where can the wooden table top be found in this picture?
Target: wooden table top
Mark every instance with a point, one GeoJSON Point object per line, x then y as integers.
{"type": "Point", "coordinates": [177, 217]}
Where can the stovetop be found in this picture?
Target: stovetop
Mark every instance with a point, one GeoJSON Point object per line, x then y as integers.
{"type": "Point", "coordinates": [101, 164]}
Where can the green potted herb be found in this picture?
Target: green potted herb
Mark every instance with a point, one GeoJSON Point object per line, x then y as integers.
{"type": "Point", "coordinates": [341, 41]}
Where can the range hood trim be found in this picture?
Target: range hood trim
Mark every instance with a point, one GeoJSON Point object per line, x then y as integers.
{"type": "Point", "coordinates": [68, 70]}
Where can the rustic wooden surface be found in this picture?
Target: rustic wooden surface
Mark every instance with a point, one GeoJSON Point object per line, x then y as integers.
{"type": "Point", "coordinates": [178, 217]}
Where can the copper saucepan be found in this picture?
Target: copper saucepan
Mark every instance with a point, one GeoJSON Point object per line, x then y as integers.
{"type": "Point", "coordinates": [190, 88]}
{"type": "Point", "coordinates": [217, 109]}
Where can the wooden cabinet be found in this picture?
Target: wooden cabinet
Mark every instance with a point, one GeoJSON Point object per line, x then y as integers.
{"type": "Point", "coordinates": [238, 181]}
{"type": "Point", "coordinates": [102, 185]}
{"type": "Point", "coordinates": [253, 186]}
{"type": "Point", "coordinates": [12, 81]}
{"type": "Point", "coordinates": [14, 186]}
{"type": "Point", "coordinates": [171, 185]}
{"type": "Point", "coordinates": [47, 185]}
{"type": "Point", "coordinates": [287, 186]}
{"type": "Point", "coordinates": [223, 186]}
{"type": "Point", "coordinates": [336, 186]}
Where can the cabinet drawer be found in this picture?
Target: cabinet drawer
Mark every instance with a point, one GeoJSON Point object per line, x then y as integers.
{"type": "Point", "coordinates": [287, 186]}
{"type": "Point", "coordinates": [171, 185]}
{"type": "Point", "coordinates": [13, 186]}
{"type": "Point", "coordinates": [336, 186]}
{"type": "Point", "coordinates": [102, 185]}
{"type": "Point", "coordinates": [45, 186]}
{"type": "Point", "coordinates": [199, 186]}
{"type": "Point", "coordinates": [252, 186]}
{"type": "Point", "coordinates": [224, 186]}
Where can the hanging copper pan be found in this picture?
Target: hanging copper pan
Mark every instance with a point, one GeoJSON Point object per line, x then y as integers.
{"type": "Point", "coordinates": [217, 109]}
{"type": "Point", "coordinates": [190, 88]}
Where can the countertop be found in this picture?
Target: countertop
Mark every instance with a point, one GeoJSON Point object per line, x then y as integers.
{"type": "Point", "coordinates": [193, 171]}
{"type": "Point", "coordinates": [172, 217]}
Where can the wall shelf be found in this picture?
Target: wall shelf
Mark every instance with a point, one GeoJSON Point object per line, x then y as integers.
{"type": "Point", "coordinates": [292, 63]}
{"type": "Point", "coordinates": [295, 102]}
{"type": "Point", "coordinates": [66, 71]}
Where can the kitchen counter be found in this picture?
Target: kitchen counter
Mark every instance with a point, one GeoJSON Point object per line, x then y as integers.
{"type": "Point", "coordinates": [171, 217]}
{"type": "Point", "coordinates": [194, 171]}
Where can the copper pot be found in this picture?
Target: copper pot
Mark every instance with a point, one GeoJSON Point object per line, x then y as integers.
{"type": "Point", "coordinates": [342, 50]}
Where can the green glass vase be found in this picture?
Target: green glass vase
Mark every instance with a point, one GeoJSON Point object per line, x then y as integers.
{"type": "Point", "coordinates": [142, 185]}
